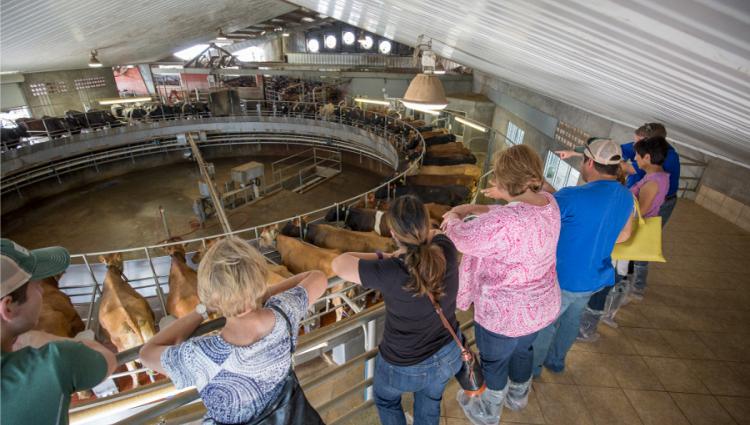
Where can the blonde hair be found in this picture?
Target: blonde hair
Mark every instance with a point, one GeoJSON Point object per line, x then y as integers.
{"type": "Point", "coordinates": [517, 169]}
{"type": "Point", "coordinates": [232, 277]}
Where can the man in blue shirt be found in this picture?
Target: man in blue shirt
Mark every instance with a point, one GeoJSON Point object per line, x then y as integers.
{"type": "Point", "coordinates": [635, 174]}
{"type": "Point", "coordinates": [594, 217]}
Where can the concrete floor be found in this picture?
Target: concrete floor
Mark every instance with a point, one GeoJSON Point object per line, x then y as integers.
{"type": "Point", "coordinates": [124, 212]}
{"type": "Point", "coordinates": [681, 356]}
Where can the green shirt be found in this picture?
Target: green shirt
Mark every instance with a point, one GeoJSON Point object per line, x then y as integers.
{"type": "Point", "coordinates": [37, 383]}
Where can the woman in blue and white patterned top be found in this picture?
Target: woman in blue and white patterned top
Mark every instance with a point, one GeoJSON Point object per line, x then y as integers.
{"type": "Point", "coordinates": [242, 369]}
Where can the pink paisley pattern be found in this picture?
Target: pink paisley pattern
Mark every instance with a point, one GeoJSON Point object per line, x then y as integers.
{"type": "Point", "coordinates": [508, 266]}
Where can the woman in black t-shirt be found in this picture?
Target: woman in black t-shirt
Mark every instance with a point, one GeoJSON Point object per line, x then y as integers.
{"type": "Point", "coordinates": [417, 353]}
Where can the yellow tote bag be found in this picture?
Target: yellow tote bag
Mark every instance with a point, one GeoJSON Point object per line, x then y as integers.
{"type": "Point", "coordinates": [644, 243]}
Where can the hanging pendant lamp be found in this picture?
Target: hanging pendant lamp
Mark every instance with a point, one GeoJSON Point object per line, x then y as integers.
{"type": "Point", "coordinates": [425, 91]}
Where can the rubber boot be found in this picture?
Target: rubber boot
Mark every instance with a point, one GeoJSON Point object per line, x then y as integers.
{"type": "Point", "coordinates": [485, 409]}
{"type": "Point", "coordinates": [640, 274]}
{"type": "Point", "coordinates": [615, 299]}
{"type": "Point", "coordinates": [589, 321]}
{"type": "Point", "coordinates": [518, 395]}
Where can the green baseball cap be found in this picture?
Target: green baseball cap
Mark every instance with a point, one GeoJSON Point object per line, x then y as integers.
{"type": "Point", "coordinates": [20, 265]}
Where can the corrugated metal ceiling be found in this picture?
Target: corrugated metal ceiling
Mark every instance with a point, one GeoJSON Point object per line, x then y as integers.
{"type": "Point", "coordinates": [39, 35]}
{"type": "Point", "coordinates": [684, 63]}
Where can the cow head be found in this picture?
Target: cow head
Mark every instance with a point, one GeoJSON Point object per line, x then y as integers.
{"type": "Point", "coordinates": [268, 236]}
{"type": "Point", "coordinates": [112, 260]}
{"type": "Point", "coordinates": [175, 248]}
{"type": "Point", "coordinates": [198, 255]}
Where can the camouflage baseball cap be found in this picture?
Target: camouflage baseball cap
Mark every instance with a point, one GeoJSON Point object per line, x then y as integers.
{"type": "Point", "coordinates": [20, 265]}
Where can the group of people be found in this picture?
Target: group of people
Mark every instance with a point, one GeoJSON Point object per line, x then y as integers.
{"type": "Point", "coordinates": [537, 271]}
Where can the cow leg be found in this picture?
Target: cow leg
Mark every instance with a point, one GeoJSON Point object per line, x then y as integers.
{"type": "Point", "coordinates": [131, 367]}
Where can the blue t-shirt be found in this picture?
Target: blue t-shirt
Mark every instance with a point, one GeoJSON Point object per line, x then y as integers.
{"type": "Point", "coordinates": [671, 165]}
{"type": "Point", "coordinates": [592, 216]}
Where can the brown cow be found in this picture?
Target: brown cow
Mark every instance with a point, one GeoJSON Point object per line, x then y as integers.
{"type": "Point", "coordinates": [58, 316]}
{"type": "Point", "coordinates": [277, 273]}
{"type": "Point", "coordinates": [299, 257]}
{"type": "Point", "coordinates": [327, 236]}
{"type": "Point", "coordinates": [453, 148]}
{"type": "Point", "coordinates": [443, 170]}
{"type": "Point", "coordinates": [183, 282]}
{"type": "Point", "coordinates": [123, 312]}
{"type": "Point", "coordinates": [441, 180]}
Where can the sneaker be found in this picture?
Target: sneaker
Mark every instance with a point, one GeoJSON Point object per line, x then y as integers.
{"type": "Point", "coordinates": [592, 337]}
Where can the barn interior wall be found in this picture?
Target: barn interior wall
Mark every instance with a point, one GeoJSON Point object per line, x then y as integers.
{"type": "Point", "coordinates": [55, 104]}
{"type": "Point", "coordinates": [375, 87]}
{"type": "Point", "coordinates": [539, 115]}
{"type": "Point", "coordinates": [78, 179]}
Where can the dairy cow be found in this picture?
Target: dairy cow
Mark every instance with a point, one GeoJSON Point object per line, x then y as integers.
{"type": "Point", "coordinates": [327, 236]}
{"type": "Point", "coordinates": [57, 315]}
{"type": "Point", "coordinates": [183, 283]}
{"type": "Point", "coordinates": [123, 312]}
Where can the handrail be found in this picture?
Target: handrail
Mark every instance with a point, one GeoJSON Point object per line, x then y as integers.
{"type": "Point", "coordinates": [305, 343]}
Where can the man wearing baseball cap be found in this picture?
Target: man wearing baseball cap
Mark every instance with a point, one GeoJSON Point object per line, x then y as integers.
{"type": "Point", "coordinates": [594, 217]}
{"type": "Point", "coordinates": [37, 380]}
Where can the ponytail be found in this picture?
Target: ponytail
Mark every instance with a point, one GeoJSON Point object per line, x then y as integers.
{"type": "Point", "coordinates": [409, 223]}
{"type": "Point", "coordinates": [426, 264]}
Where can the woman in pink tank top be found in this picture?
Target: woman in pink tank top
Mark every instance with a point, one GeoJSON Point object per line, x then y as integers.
{"type": "Point", "coordinates": [651, 191]}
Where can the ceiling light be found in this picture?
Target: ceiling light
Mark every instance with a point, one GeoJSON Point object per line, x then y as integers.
{"type": "Point", "coordinates": [308, 19]}
{"type": "Point", "coordinates": [313, 45]}
{"type": "Point", "coordinates": [285, 34]}
{"type": "Point", "coordinates": [385, 47]}
{"type": "Point", "coordinates": [330, 41]}
{"type": "Point", "coordinates": [425, 92]}
{"type": "Point", "coordinates": [118, 100]}
{"type": "Point", "coordinates": [472, 124]}
{"type": "Point", "coordinates": [348, 38]}
{"type": "Point", "coordinates": [367, 42]}
{"type": "Point", "coordinates": [221, 35]}
{"type": "Point", "coordinates": [373, 101]}
{"type": "Point", "coordinates": [93, 61]}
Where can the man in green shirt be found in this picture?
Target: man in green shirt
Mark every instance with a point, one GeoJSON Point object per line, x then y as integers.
{"type": "Point", "coordinates": [38, 378]}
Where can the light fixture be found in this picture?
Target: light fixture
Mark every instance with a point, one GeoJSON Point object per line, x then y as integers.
{"type": "Point", "coordinates": [439, 70]}
{"type": "Point", "coordinates": [471, 124]}
{"type": "Point", "coordinates": [348, 38]}
{"type": "Point", "coordinates": [425, 91]}
{"type": "Point", "coordinates": [361, 38]}
{"type": "Point", "coordinates": [285, 34]}
{"type": "Point", "coordinates": [313, 45]}
{"type": "Point", "coordinates": [373, 101]}
{"type": "Point", "coordinates": [367, 42]}
{"type": "Point", "coordinates": [385, 47]}
{"type": "Point", "coordinates": [330, 41]}
{"type": "Point", "coordinates": [93, 61]}
{"type": "Point", "coordinates": [308, 19]}
{"type": "Point", "coordinates": [428, 112]}
{"type": "Point", "coordinates": [221, 35]}
{"type": "Point", "coordinates": [118, 100]}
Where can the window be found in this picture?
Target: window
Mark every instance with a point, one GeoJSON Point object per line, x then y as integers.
{"type": "Point", "coordinates": [514, 135]}
{"type": "Point", "coordinates": [90, 83]}
{"type": "Point", "coordinates": [191, 52]}
{"type": "Point", "coordinates": [558, 173]}
{"type": "Point", "coordinates": [43, 89]}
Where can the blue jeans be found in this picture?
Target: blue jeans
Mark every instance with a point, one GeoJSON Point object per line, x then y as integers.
{"type": "Point", "coordinates": [665, 211]}
{"type": "Point", "coordinates": [553, 342]}
{"type": "Point", "coordinates": [504, 356]}
{"type": "Point", "coordinates": [426, 380]}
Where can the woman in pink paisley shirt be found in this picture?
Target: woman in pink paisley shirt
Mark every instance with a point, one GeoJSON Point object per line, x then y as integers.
{"type": "Point", "coordinates": [508, 273]}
